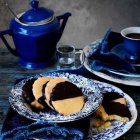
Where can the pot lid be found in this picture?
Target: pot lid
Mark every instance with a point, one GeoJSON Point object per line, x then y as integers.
{"type": "Point", "coordinates": [37, 15]}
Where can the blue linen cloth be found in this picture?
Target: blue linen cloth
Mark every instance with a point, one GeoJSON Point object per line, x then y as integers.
{"type": "Point", "coordinates": [102, 59]}
{"type": "Point", "coordinates": [17, 127]}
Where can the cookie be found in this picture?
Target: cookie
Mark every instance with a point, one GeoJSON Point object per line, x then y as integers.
{"type": "Point", "coordinates": [39, 85]}
{"type": "Point", "coordinates": [28, 94]}
{"type": "Point", "coordinates": [98, 123]}
{"type": "Point", "coordinates": [65, 97]}
{"type": "Point", "coordinates": [117, 111]}
{"type": "Point", "coordinates": [27, 90]}
{"type": "Point", "coordinates": [114, 107]}
{"type": "Point", "coordinates": [51, 84]}
{"type": "Point", "coordinates": [39, 90]}
{"type": "Point", "coordinates": [121, 101]}
{"type": "Point", "coordinates": [110, 96]}
{"type": "Point", "coordinates": [101, 113]}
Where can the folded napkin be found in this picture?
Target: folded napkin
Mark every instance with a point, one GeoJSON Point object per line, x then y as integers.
{"type": "Point", "coordinates": [18, 127]}
{"type": "Point", "coordinates": [102, 59]}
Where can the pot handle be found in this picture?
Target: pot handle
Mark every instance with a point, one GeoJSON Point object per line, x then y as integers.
{"type": "Point", "coordinates": [8, 32]}
{"type": "Point", "coordinates": [64, 19]}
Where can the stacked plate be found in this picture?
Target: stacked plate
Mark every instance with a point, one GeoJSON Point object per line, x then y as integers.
{"type": "Point", "coordinates": [132, 79]}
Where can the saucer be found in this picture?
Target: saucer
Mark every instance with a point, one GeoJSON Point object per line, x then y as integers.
{"type": "Point", "coordinates": [132, 79]}
{"type": "Point", "coordinates": [120, 51]}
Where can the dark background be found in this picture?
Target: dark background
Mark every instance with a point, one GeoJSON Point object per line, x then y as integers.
{"type": "Point", "coordinates": [90, 18]}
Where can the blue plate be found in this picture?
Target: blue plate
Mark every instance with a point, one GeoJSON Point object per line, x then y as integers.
{"type": "Point", "coordinates": [93, 98]}
{"type": "Point", "coordinates": [117, 128]}
{"type": "Point", "coordinates": [132, 79]}
{"type": "Point", "coordinates": [120, 51]}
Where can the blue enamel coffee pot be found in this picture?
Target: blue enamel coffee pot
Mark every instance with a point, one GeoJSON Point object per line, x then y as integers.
{"type": "Point", "coordinates": [35, 34]}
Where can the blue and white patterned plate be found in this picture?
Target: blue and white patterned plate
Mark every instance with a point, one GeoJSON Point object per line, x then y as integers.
{"type": "Point", "coordinates": [93, 99]}
{"type": "Point", "coordinates": [118, 128]}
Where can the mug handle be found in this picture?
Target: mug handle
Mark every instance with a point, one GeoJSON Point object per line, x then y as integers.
{"type": "Point", "coordinates": [8, 32]}
{"type": "Point", "coordinates": [82, 56]}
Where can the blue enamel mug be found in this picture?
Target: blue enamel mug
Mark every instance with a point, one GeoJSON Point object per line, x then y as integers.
{"type": "Point", "coordinates": [35, 34]}
{"type": "Point", "coordinates": [131, 37]}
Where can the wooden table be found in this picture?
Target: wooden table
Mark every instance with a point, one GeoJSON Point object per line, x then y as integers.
{"type": "Point", "coordinates": [10, 71]}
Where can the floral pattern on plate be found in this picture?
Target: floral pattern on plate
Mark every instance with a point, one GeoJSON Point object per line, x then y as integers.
{"type": "Point", "coordinates": [117, 128]}
{"type": "Point", "coordinates": [93, 99]}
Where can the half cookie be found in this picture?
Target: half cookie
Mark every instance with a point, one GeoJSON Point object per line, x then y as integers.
{"type": "Point", "coordinates": [39, 90]}
{"type": "Point", "coordinates": [114, 107]}
{"type": "Point", "coordinates": [51, 84]}
{"type": "Point", "coordinates": [38, 86]}
{"type": "Point", "coordinates": [28, 94]}
{"type": "Point", "coordinates": [64, 96]}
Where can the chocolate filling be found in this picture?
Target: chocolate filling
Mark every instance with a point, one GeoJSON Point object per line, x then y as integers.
{"type": "Point", "coordinates": [43, 88]}
{"type": "Point", "coordinates": [114, 108]}
{"type": "Point", "coordinates": [41, 100]}
{"type": "Point", "coordinates": [50, 102]}
{"type": "Point", "coordinates": [65, 90]}
{"type": "Point", "coordinates": [27, 90]}
{"type": "Point", "coordinates": [110, 96]}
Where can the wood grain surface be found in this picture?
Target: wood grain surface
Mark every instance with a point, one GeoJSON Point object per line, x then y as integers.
{"type": "Point", "coordinates": [10, 70]}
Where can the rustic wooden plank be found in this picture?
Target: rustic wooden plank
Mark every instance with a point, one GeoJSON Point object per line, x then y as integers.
{"type": "Point", "coordinates": [9, 62]}
{"type": "Point", "coordinates": [130, 137]}
{"type": "Point", "coordinates": [10, 71]}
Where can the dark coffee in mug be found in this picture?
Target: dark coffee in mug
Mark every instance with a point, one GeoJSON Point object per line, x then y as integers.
{"type": "Point", "coordinates": [133, 35]}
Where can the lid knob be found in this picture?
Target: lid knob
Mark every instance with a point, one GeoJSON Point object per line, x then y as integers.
{"type": "Point", "coordinates": [34, 4]}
